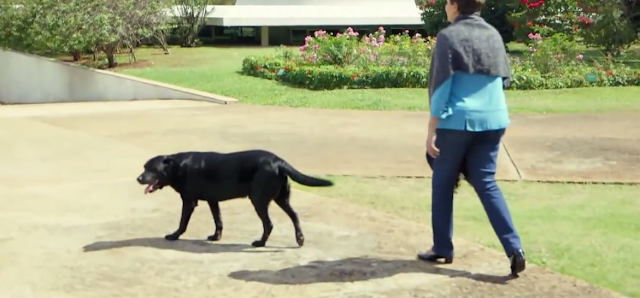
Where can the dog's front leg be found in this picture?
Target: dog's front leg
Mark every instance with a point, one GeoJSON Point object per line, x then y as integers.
{"type": "Point", "coordinates": [187, 209]}
{"type": "Point", "coordinates": [217, 219]}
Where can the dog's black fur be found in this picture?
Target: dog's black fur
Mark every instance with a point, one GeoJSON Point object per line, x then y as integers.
{"type": "Point", "coordinates": [463, 171]}
{"type": "Point", "coordinates": [214, 177]}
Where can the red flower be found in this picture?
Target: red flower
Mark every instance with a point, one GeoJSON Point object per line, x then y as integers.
{"type": "Point", "coordinates": [609, 72]}
{"type": "Point", "coordinates": [535, 4]}
{"type": "Point", "coordinates": [353, 77]}
{"type": "Point", "coordinates": [584, 20]}
{"type": "Point", "coordinates": [530, 24]}
{"type": "Point", "coordinates": [524, 1]}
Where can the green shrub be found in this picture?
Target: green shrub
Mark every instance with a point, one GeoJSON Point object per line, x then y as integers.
{"type": "Point", "coordinates": [328, 77]}
{"type": "Point", "coordinates": [347, 61]}
{"type": "Point", "coordinates": [605, 26]}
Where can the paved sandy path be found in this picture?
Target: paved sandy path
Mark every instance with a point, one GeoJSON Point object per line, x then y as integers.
{"type": "Point", "coordinates": [77, 225]}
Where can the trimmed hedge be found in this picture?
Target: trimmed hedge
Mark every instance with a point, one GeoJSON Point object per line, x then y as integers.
{"type": "Point", "coordinates": [329, 77]}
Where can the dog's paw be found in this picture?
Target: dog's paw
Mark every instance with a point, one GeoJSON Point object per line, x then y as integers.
{"type": "Point", "coordinates": [215, 237]}
{"type": "Point", "coordinates": [172, 237]}
{"type": "Point", "coordinates": [300, 239]}
{"type": "Point", "coordinates": [258, 243]}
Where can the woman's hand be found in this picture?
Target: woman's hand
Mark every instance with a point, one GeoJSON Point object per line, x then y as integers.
{"type": "Point", "coordinates": [431, 145]}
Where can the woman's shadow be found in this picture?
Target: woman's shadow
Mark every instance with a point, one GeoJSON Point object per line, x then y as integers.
{"type": "Point", "coordinates": [356, 269]}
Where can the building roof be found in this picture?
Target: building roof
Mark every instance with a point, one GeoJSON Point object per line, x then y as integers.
{"type": "Point", "coordinates": [315, 13]}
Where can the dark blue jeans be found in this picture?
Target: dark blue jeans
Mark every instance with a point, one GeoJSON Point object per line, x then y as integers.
{"type": "Point", "coordinates": [477, 152]}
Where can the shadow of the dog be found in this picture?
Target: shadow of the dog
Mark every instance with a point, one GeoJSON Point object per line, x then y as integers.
{"type": "Point", "coordinates": [189, 246]}
{"type": "Point", "coordinates": [357, 269]}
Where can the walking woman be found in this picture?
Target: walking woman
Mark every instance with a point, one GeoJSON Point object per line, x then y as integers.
{"type": "Point", "coordinates": [468, 74]}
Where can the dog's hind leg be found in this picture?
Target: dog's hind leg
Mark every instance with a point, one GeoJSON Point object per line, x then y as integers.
{"type": "Point", "coordinates": [217, 219]}
{"type": "Point", "coordinates": [187, 209]}
{"type": "Point", "coordinates": [282, 199]}
{"type": "Point", "coordinates": [264, 188]}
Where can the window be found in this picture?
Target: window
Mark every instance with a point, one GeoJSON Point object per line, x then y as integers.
{"type": "Point", "coordinates": [298, 36]}
{"type": "Point", "coordinates": [333, 32]}
{"type": "Point", "coordinates": [363, 32]}
{"type": "Point", "coordinates": [206, 31]}
{"type": "Point", "coordinates": [224, 32]}
{"type": "Point", "coordinates": [247, 32]}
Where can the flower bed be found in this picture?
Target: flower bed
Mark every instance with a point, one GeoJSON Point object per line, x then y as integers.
{"type": "Point", "coordinates": [349, 61]}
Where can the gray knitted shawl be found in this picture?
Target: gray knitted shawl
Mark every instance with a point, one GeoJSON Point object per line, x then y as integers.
{"type": "Point", "coordinates": [468, 45]}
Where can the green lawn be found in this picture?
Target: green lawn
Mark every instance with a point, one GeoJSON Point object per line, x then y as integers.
{"type": "Point", "coordinates": [587, 231]}
{"type": "Point", "coordinates": [216, 70]}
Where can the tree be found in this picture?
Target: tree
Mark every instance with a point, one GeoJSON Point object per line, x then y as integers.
{"type": "Point", "coordinates": [75, 26]}
{"type": "Point", "coordinates": [189, 18]}
{"type": "Point", "coordinates": [605, 24]}
{"type": "Point", "coordinates": [433, 15]}
{"type": "Point", "coordinates": [495, 12]}
{"type": "Point", "coordinates": [46, 26]}
{"type": "Point", "coordinates": [142, 19]}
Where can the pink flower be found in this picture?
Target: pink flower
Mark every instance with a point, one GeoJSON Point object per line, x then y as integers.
{"type": "Point", "coordinates": [308, 39]}
{"type": "Point", "coordinates": [350, 32]}
{"type": "Point", "coordinates": [580, 57]}
{"type": "Point", "coordinates": [320, 33]}
{"type": "Point", "coordinates": [536, 36]}
{"type": "Point", "coordinates": [304, 48]}
{"type": "Point", "coordinates": [381, 29]}
{"type": "Point", "coordinates": [315, 47]}
{"type": "Point", "coordinates": [381, 38]}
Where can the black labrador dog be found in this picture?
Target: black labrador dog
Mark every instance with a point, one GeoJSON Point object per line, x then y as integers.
{"type": "Point", "coordinates": [214, 177]}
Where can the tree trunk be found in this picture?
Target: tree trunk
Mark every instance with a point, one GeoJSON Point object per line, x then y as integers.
{"type": "Point", "coordinates": [132, 54]}
{"type": "Point", "coordinates": [110, 51]}
{"type": "Point", "coordinates": [76, 55]}
{"type": "Point", "coordinates": [161, 38]}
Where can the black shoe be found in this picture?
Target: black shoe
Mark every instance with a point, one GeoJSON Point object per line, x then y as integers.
{"type": "Point", "coordinates": [518, 262]}
{"type": "Point", "coordinates": [434, 258]}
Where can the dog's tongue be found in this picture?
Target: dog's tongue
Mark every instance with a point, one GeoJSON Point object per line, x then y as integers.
{"type": "Point", "coordinates": [148, 189]}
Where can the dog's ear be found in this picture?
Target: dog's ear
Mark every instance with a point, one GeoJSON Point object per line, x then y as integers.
{"type": "Point", "coordinates": [168, 161]}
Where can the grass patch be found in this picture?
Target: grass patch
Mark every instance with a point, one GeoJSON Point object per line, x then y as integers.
{"type": "Point", "coordinates": [586, 231]}
{"type": "Point", "coordinates": [216, 70]}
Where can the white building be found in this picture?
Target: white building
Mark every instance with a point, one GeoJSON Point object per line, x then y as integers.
{"type": "Point", "coordinates": [288, 22]}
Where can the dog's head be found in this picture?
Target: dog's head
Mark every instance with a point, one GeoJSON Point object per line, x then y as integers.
{"type": "Point", "coordinates": [158, 173]}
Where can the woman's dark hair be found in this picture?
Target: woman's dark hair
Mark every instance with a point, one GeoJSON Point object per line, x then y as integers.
{"type": "Point", "coordinates": [468, 6]}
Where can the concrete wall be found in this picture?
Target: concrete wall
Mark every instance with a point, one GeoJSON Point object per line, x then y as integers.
{"type": "Point", "coordinates": [28, 79]}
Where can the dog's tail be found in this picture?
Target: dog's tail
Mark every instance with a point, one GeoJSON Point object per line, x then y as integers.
{"type": "Point", "coordinates": [303, 179]}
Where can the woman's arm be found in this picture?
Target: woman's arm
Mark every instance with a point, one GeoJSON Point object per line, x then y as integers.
{"type": "Point", "coordinates": [440, 79]}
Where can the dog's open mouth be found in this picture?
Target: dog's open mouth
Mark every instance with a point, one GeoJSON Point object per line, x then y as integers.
{"type": "Point", "coordinates": [151, 187]}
